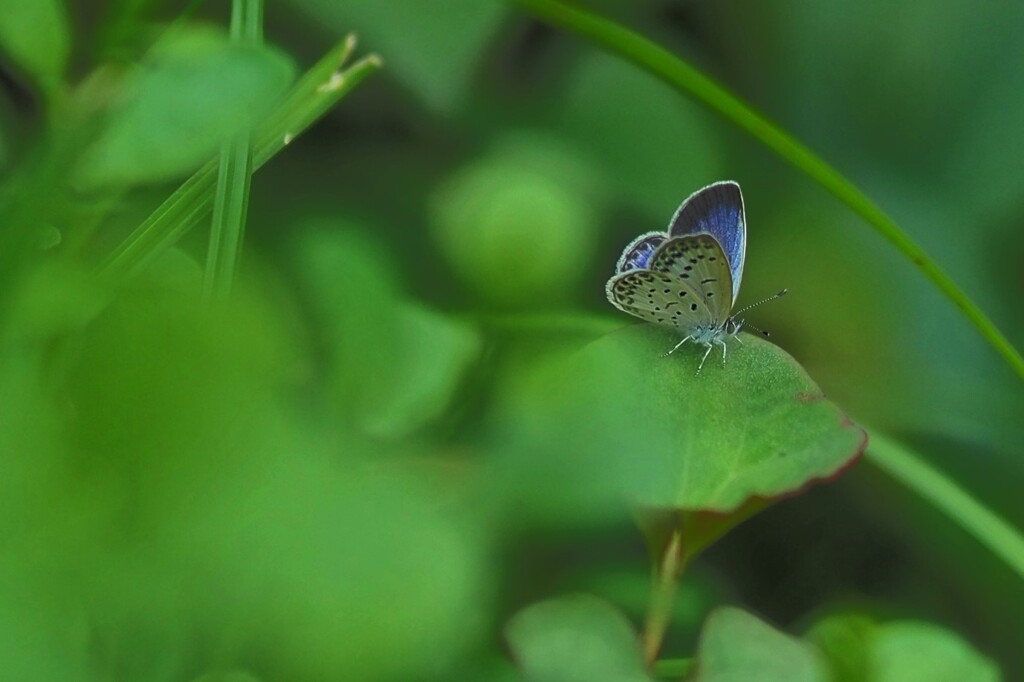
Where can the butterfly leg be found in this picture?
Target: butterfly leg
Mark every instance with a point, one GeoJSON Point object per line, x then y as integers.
{"type": "Point", "coordinates": [676, 347]}
{"type": "Point", "coordinates": [706, 354]}
{"type": "Point", "coordinates": [724, 349]}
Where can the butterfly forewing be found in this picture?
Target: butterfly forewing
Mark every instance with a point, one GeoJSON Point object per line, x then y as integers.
{"type": "Point", "coordinates": [698, 261]}
{"type": "Point", "coordinates": [687, 285]}
{"type": "Point", "coordinates": [717, 210]}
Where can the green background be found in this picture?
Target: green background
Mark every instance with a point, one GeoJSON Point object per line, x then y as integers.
{"type": "Point", "coordinates": [357, 469]}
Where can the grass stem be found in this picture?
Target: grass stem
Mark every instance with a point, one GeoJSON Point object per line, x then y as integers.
{"type": "Point", "coordinates": [316, 93]}
{"type": "Point", "coordinates": [234, 176]}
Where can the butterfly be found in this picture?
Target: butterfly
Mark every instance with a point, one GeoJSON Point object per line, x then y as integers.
{"type": "Point", "coordinates": [688, 277]}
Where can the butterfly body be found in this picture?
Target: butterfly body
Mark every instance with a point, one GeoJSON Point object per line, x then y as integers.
{"type": "Point", "coordinates": [688, 277]}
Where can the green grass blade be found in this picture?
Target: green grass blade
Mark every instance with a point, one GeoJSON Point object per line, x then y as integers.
{"type": "Point", "coordinates": [230, 207]}
{"type": "Point", "coordinates": [234, 177]}
{"type": "Point", "coordinates": [316, 93]}
{"type": "Point", "coordinates": [985, 525]}
{"type": "Point", "coordinates": [688, 80]}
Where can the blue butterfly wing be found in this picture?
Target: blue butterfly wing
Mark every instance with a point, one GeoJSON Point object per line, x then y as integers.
{"type": "Point", "coordinates": [717, 210]}
{"type": "Point", "coordinates": [638, 254]}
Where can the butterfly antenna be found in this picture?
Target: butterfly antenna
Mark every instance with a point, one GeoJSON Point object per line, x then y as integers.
{"type": "Point", "coordinates": [761, 302]}
{"type": "Point", "coordinates": [756, 329]}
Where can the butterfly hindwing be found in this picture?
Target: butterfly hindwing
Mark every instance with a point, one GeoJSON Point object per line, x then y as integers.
{"type": "Point", "coordinates": [717, 210]}
{"type": "Point", "coordinates": [656, 297]}
{"type": "Point", "coordinates": [638, 254]}
{"type": "Point", "coordinates": [686, 285]}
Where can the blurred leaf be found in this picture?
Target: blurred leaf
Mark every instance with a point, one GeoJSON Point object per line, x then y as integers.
{"type": "Point", "coordinates": [393, 364]}
{"type": "Point", "coordinates": [860, 650]}
{"type": "Point", "coordinates": [431, 45]}
{"type": "Point", "coordinates": [518, 224]}
{"type": "Point", "coordinates": [737, 647]}
{"type": "Point", "coordinates": [195, 90]}
{"type": "Point", "coordinates": [920, 651]}
{"type": "Point", "coordinates": [575, 638]}
{"type": "Point", "coordinates": [432, 355]}
{"type": "Point", "coordinates": [313, 576]}
{"type": "Point", "coordinates": [618, 420]}
{"type": "Point", "coordinates": [177, 270]}
{"type": "Point", "coordinates": [50, 301]}
{"type": "Point", "coordinates": [36, 36]}
{"type": "Point", "coordinates": [843, 638]}
{"type": "Point", "coordinates": [224, 515]}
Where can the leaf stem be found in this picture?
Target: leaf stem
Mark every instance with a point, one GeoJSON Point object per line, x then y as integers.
{"type": "Point", "coordinates": [688, 80]}
{"type": "Point", "coordinates": [663, 593]}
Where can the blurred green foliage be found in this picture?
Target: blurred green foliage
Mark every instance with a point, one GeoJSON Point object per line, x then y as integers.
{"type": "Point", "coordinates": [415, 427]}
{"type": "Point", "coordinates": [477, 216]}
{"type": "Point", "coordinates": [36, 38]}
{"type": "Point", "coordinates": [194, 90]}
{"type": "Point", "coordinates": [575, 638]}
{"type": "Point", "coordinates": [737, 646]}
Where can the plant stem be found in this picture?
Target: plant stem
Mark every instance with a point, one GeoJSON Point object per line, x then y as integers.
{"type": "Point", "coordinates": [316, 93]}
{"type": "Point", "coordinates": [663, 594]}
{"type": "Point", "coordinates": [915, 473]}
{"type": "Point", "coordinates": [234, 176]}
{"type": "Point", "coordinates": [690, 81]}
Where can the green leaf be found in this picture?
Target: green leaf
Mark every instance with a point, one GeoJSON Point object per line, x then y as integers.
{"type": "Point", "coordinates": [617, 419]}
{"type": "Point", "coordinates": [860, 650]}
{"type": "Point", "coordinates": [194, 91]}
{"type": "Point", "coordinates": [431, 45]}
{"type": "Point", "coordinates": [920, 651]}
{"type": "Point", "coordinates": [575, 638]}
{"type": "Point", "coordinates": [428, 359]}
{"type": "Point", "coordinates": [35, 35]}
{"type": "Point", "coordinates": [737, 647]}
{"type": "Point", "coordinates": [843, 639]}
{"type": "Point", "coordinates": [392, 365]}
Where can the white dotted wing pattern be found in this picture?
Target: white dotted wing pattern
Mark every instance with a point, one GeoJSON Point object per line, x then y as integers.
{"type": "Point", "coordinates": [687, 285]}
